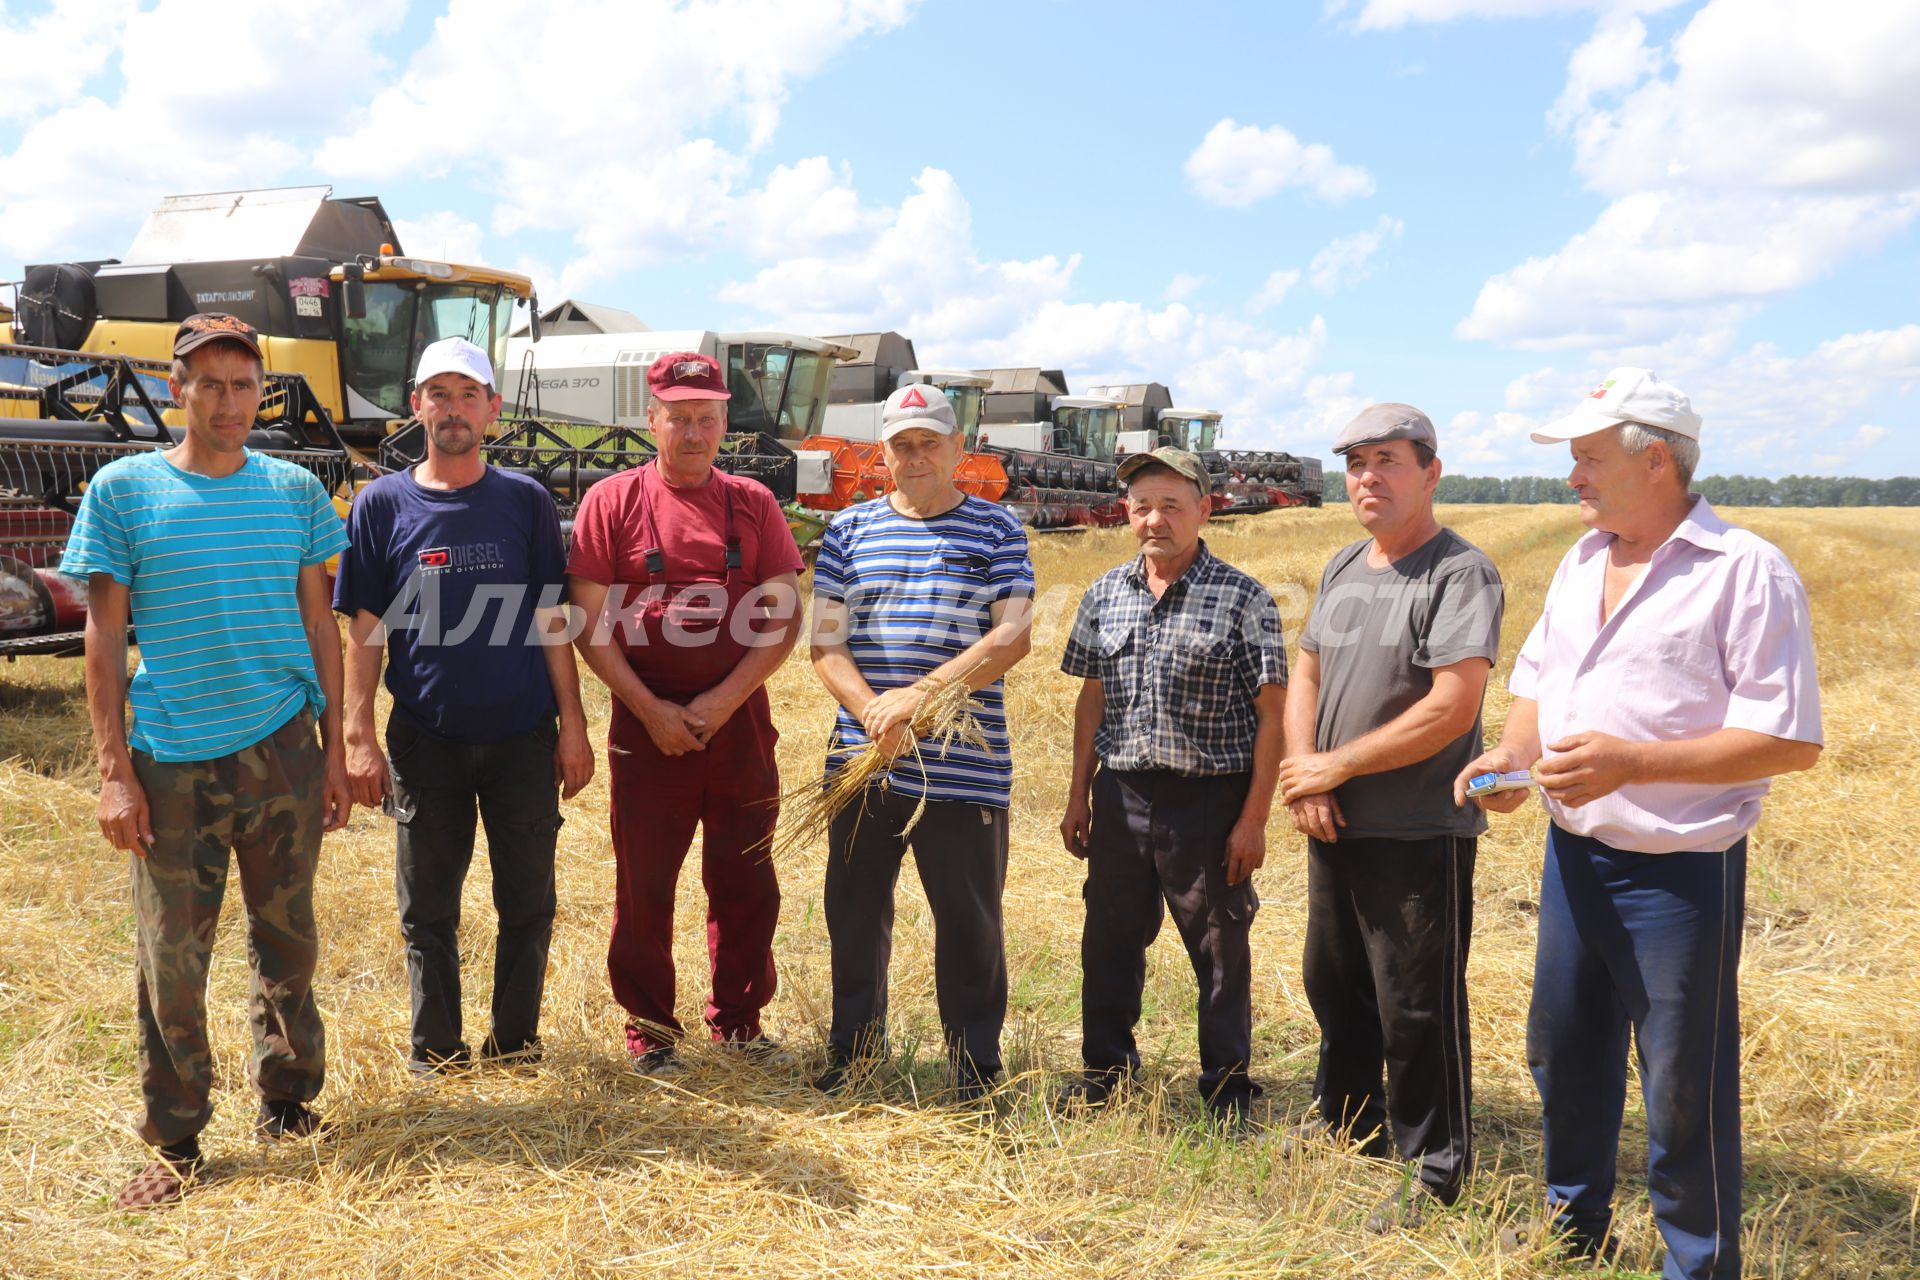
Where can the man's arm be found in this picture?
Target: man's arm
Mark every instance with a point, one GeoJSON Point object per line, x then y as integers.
{"type": "Point", "coordinates": [123, 815]}
{"type": "Point", "coordinates": [1007, 640]}
{"type": "Point", "coordinates": [1076, 828]}
{"type": "Point", "coordinates": [1586, 766]}
{"type": "Point", "coordinates": [1423, 729]}
{"type": "Point", "coordinates": [833, 664]}
{"type": "Point", "coordinates": [1317, 816]}
{"type": "Point", "coordinates": [1247, 842]}
{"type": "Point", "coordinates": [762, 658]}
{"type": "Point", "coordinates": [323, 641]}
{"type": "Point", "coordinates": [672, 727]}
{"type": "Point", "coordinates": [573, 754]}
{"type": "Point", "coordinates": [367, 776]}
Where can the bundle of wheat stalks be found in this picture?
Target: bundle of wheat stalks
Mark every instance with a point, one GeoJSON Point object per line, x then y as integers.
{"type": "Point", "coordinates": [946, 717]}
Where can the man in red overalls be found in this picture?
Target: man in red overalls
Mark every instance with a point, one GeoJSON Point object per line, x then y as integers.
{"type": "Point", "coordinates": [689, 581]}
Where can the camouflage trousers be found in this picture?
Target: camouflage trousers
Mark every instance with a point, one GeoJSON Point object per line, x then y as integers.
{"type": "Point", "coordinates": [263, 803]}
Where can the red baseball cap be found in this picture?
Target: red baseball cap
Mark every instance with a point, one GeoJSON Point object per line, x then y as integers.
{"type": "Point", "coordinates": [686, 375]}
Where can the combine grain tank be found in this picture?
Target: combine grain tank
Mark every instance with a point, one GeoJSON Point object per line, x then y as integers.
{"type": "Point", "coordinates": [1244, 481]}
{"type": "Point", "coordinates": [1057, 448]}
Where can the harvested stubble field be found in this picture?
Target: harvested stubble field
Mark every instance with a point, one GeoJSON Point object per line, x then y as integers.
{"type": "Point", "coordinates": [582, 1169]}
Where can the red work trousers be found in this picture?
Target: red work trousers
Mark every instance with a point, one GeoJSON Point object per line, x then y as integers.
{"type": "Point", "coordinates": [731, 792]}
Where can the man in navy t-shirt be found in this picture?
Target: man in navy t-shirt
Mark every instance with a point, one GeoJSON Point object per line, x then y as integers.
{"type": "Point", "coordinates": [456, 570]}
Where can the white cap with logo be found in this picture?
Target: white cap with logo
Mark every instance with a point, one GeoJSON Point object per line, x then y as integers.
{"type": "Point", "coordinates": [1626, 395]}
{"type": "Point", "coordinates": [454, 355]}
{"type": "Point", "coordinates": [918, 404]}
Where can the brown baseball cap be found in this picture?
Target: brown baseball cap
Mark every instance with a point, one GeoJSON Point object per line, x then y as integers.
{"type": "Point", "coordinates": [1379, 423]}
{"type": "Point", "coordinates": [1178, 461]}
{"type": "Point", "coordinates": [197, 331]}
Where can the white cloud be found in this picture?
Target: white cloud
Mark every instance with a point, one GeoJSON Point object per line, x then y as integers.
{"type": "Point", "coordinates": [1348, 260]}
{"type": "Point", "coordinates": [1386, 15]}
{"type": "Point", "coordinates": [922, 274]}
{"type": "Point", "coordinates": [442, 234]}
{"type": "Point", "coordinates": [1767, 144]}
{"type": "Point", "coordinates": [1237, 165]}
{"type": "Point", "coordinates": [1183, 286]}
{"type": "Point", "coordinates": [1274, 291]}
{"type": "Point", "coordinates": [50, 57]}
{"type": "Point", "coordinates": [1869, 435]}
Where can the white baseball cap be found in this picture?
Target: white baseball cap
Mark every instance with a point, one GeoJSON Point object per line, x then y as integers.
{"type": "Point", "coordinates": [454, 355]}
{"type": "Point", "coordinates": [918, 404]}
{"type": "Point", "coordinates": [1626, 395]}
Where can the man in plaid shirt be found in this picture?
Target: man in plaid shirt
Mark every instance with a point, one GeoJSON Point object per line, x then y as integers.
{"type": "Point", "coordinates": [1184, 675]}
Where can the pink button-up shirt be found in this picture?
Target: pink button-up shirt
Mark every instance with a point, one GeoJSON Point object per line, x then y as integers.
{"type": "Point", "coordinates": [1714, 634]}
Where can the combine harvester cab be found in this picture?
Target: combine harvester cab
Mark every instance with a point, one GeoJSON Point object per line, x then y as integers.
{"type": "Point", "coordinates": [1057, 448]}
{"type": "Point", "coordinates": [66, 414]}
{"type": "Point", "coordinates": [323, 280]}
{"type": "Point", "coordinates": [882, 363]}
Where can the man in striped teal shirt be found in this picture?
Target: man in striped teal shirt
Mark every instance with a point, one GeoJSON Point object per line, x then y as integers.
{"type": "Point", "coordinates": [216, 556]}
{"type": "Point", "coordinates": [922, 587]}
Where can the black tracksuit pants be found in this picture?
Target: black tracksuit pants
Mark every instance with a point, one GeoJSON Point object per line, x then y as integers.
{"type": "Point", "coordinates": [1388, 923]}
{"type": "Point", "coordinates": [1159, 843]}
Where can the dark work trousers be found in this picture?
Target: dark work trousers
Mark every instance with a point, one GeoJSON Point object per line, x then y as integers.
{"type": "Point", "coordinates": [1647, 942]}
{"type": "Point", "coordinates": [1159, 843]}
{"type": "Point", "coordinates": [961, 852]}
{"type": "Point", "coordinates": [1388, 922]}
{"type": "Point", "coordinates": [437, 785]}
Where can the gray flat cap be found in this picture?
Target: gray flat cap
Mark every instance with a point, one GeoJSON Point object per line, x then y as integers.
{"type": "Point", "coordinates": [1379, 423]}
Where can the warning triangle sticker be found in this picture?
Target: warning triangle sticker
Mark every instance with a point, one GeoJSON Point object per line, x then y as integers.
{"type": "Point", "coordinates": [913, 399]}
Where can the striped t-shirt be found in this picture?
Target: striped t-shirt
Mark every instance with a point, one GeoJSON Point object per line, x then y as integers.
{"type": "Point", "coordinates": [919, 593]}
{"type": "Point", "coordinates": [210, 563]}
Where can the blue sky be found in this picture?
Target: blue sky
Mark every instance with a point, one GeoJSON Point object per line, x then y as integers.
{"type": "Point", "coordinates": [1283, 210]}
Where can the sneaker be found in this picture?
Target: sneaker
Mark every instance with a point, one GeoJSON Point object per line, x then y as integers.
{"type": "Point", "coordinates": [165, 1178]}
{"type": "Point", "coordinates": [661, 1063]}
{"type": "Point", "coordinates": [527, 1054]}
{"type": "Point", "coordinates": [762, 1051]}
{"type": "Point", "coordinates": [280, 1118]}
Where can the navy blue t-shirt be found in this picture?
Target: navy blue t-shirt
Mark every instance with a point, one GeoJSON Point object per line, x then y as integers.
{"type": "Point", "coordinates": [456, 575]}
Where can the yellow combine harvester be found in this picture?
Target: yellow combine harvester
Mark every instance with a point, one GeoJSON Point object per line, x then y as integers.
{"type": "Point", "coordinates": [324, 280]}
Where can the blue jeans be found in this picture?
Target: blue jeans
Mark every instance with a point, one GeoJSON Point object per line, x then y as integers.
{"type": "Point", "coordinates": [1651, 943]}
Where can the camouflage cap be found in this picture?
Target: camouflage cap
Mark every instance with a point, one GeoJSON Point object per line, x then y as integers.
{"type": "Point", "coordinates": [1176, 460]}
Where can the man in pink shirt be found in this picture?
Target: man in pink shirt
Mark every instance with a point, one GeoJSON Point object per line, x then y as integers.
{"type": "Point", "coordinates": [1670, 675]}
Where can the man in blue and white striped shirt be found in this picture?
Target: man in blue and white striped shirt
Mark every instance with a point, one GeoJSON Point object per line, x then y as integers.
{"type": "Point", "coordinates": [912, 591]}
{"type": "Point", "coordinates": [217, 556]}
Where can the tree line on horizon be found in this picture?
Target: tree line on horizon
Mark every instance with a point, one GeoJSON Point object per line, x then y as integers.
{"type": "Point", "coordinates": [1726, 491]}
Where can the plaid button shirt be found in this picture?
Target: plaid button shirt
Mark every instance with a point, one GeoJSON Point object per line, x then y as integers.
{"type": "Point", "coordinates": [1179, 673]}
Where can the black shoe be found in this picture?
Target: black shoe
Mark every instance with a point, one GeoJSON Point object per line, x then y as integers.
{"type": "Point", "coordinates": [527, 1054]}
{"type": "Point", "coordinates": [838, 1075]}
{"type": "Point", "coordinates": [282, 1119]}
{"type": "Point", "coordinates": [1229, 1116]}
{"type": "Point", "coordinates": [1093, 1090]}
{"type": "Point", "coordinates": [439, 1064]}
{"type": "Point", "coordinates": [971, 1086]}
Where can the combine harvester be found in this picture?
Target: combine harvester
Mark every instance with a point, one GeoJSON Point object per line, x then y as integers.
{"type": "Point", "coordinates": [1058, 448]}
{"type": "Point", "coordinates": [576, 401]}
{"type": "Point", "coordinates": [1244, 481]}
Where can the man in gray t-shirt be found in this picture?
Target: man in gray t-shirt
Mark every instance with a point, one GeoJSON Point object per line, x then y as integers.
{"type": "Point", "coordinates": [1382, 714]}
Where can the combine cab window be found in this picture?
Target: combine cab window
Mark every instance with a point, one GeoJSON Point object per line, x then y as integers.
{"type": "Point", "coordinates": [383, 347]}
{"type": "Point", "coordinates": [1087, 433]}
{"type": "Point", "coordinates": [378, 346]}
{"type": "Point", "coordinates": [777, 390]}
{"type": "Point", "coordinates": [966, 403]}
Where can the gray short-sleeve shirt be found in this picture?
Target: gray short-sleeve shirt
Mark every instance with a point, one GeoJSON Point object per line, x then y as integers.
{"type": "Point", "coordinates": [1379, 634]}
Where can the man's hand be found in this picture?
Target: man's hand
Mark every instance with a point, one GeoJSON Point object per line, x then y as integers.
{"type": "Point", "coordinates": [1311, 775]}
{"type": "Point", "coordinates": [1076, 829]}
{"type": "Point", "coordinates": [368, 778]}
{"type": "Point", "coordinates": [336, 802]}
{"type": "Point", "coordinates": [894, 742]}
{"type": "Point", "coordinates": [1501, 759]}
{"type": "Point", "coordinates": [1246, 850]}
{"type": "Point", "coordinates": [714, 709]}
{"type": "Point", "coordinates": [892, 708]}
{"type": "Point", "coordinates": [124, 819]}
{"type": "Point", "coordinates": [1318, 816]}
{"type": "Point", "coordinates": [1586, 766]}
{"type": "Point", "coordinates": [675, 730]}
{"type": "Point", "coordinates": [572, 760]}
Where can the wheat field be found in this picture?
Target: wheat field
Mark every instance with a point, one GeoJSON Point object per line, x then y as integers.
{"type": "Point", "coordinates": [581, 1168]}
